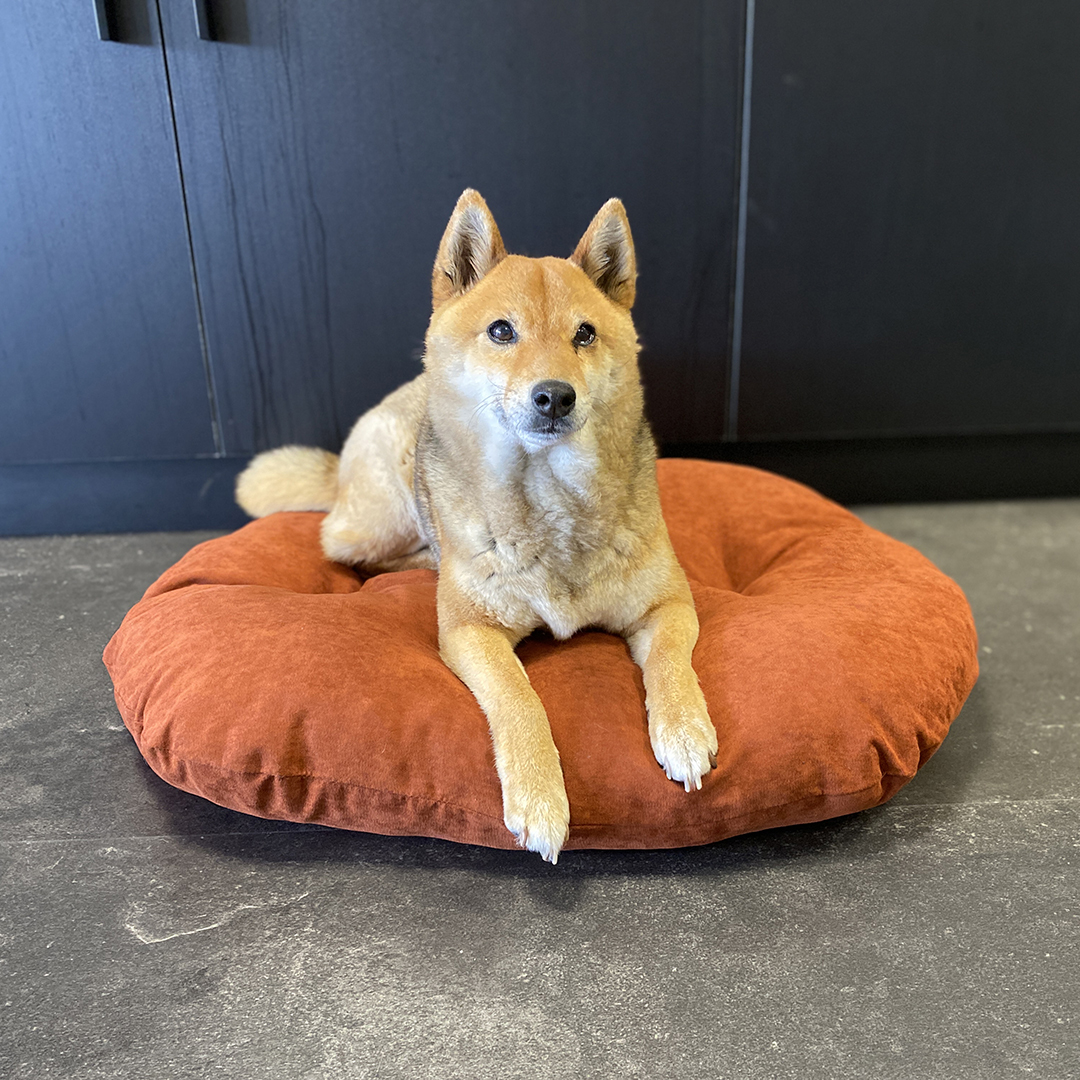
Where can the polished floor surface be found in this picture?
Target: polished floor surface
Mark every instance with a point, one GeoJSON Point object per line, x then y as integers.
{"type": "Point", "coordinates": [147, 934]}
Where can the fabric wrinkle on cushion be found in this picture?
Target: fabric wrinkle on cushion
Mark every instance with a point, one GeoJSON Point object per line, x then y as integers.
{"type": "Point", "coordinates": [833, 658]}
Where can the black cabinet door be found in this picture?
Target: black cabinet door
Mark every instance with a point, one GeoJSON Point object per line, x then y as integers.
{"type": "Point", "coordinates": [913, 246]}
{"type": "Point", "coordinates": [99, 342]}
{"type": "Point", "coordinates": [324, 145]}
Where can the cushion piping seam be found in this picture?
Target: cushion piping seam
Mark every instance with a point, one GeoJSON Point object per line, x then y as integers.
{"type": "Point", "coordinates": [490, 817]}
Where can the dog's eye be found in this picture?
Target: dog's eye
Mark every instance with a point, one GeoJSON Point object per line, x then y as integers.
{"type": "Point", "coordinates": [586, 334]}
{"type": "Point", "coordinates": [501, 331]}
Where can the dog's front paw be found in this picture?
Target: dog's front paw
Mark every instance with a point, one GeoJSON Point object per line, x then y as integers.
{"type": "Point", "coordinates": [538, 814]}
{"type": "Point", "coordinates": [683, 738]}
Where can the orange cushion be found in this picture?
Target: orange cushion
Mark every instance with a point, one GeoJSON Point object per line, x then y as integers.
{"type": "Point", "coordinates": [262, 677]}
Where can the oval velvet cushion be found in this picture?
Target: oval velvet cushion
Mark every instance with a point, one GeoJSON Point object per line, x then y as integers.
{"type": "Point", "coordinates": [258, 675]}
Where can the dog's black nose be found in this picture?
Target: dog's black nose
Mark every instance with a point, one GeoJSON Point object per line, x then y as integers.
{"type": "Point", "coordinates": [553, 398]}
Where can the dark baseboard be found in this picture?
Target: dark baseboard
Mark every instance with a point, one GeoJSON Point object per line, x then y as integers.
{"type": "Point", "coordinates": [922, 469]}
{"type": "Point", "coordinates": [197, 493]}
{"type": "Point", "coordinates": [119, 496]}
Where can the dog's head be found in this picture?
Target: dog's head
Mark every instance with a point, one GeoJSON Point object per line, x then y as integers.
{"type": "Point", "coordinates": [540, 347]}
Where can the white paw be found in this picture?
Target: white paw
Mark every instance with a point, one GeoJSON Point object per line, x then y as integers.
{"type": "Point", "coordinates": [684, 740]}
{"type": "Point", "coordinates": [538, 817]}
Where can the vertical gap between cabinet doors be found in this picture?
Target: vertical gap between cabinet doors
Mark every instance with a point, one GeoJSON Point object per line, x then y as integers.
{"type": "Point", "coordinates": [742, 183]}
{"type": "Point", "coordinates": [204, 344]}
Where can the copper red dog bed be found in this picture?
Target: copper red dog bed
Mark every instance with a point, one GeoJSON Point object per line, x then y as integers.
{"type": "Point", "coordinates": [258, 675]}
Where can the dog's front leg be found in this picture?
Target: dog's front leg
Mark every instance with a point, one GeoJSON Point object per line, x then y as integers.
{"type": "Point", "coordinates": [535, 806]}
{"type": "Point", "coordinates": [682, 735]}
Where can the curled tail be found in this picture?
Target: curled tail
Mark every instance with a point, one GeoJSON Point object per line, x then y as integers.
{"type": "Point", "coordinates": [289, 478]}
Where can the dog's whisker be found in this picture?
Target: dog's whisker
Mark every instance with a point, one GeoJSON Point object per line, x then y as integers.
{"type": "Point", "coordinates": [603, 407]}
{"type": "Point", "coordinates": [484, 403]}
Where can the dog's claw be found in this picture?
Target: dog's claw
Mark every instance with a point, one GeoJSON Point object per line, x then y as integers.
{"type": "Point", "coordinates": [540, 822]}
{"type": "Point", "coordinates": [684, 744]}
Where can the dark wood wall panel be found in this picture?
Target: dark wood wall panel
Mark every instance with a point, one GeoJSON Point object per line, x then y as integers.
{"type": "Point", "coordinates": [99, 340]}
{"type": "Point", "coordinates": [326, 142]}
{"type": "Point", "coordinates": [119, 496]}
{"type": "Point", "coordinates": [913, 248]}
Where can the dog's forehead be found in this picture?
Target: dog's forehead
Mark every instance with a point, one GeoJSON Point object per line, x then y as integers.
{"type": "Point", "coordinates": [539, 290]}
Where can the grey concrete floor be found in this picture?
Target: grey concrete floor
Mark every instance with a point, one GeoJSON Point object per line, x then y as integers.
{"type": "Point", "coordinates": [145, 933]}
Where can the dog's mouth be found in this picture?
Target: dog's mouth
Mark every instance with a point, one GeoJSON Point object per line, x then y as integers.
{"type": "Point", "coordinates": [545, 432]}
{"type": "Point", "coordinates": [553, 428]}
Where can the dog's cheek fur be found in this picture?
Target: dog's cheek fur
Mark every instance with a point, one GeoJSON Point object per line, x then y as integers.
{"type": "Point", "coordinates": [602, 378]}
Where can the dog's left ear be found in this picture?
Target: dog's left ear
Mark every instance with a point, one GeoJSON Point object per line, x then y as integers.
{"type": "Point", "coordinates": [470, 247]}
{"type": "Point", "coordinates": [606, 253]}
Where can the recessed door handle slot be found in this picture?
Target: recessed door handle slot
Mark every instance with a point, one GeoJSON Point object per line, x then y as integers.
{"type": "Point", "coordinates": [204, 21]}
{"type": "Point", "coordinates": [104, 23]}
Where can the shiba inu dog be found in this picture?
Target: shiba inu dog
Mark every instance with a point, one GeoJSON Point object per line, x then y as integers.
{"type": "Point", "coordinates": [520, 465]}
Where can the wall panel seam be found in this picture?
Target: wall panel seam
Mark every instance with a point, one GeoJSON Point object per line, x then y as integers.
{"type": "Point", "coordinates": [731, 420]}
{"type": "Point", "coordinates": [204, 344]}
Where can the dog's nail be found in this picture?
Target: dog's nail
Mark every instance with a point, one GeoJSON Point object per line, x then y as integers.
{"type": "Point", "coordinates": [686, 785]}
{"type": "Point", "coordinates": [712, 760]}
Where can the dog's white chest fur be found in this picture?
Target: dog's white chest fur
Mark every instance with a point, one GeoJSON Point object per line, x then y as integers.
{"type": "Point", "coordinates": [547, 552]}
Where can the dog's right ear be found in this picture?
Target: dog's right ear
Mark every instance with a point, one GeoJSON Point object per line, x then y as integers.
{"type": "Point", "coordinates": [470, 247]}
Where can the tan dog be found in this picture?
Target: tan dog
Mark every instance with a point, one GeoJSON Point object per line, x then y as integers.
{"type": "Point", "coordinates": [521, 466]}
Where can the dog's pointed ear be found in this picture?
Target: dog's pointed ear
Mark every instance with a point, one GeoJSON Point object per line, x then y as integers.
{"type": "Point", "coordinates": [606, 253]}
{"type": "Point", "coordinates": [470, 247]}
